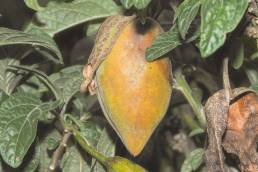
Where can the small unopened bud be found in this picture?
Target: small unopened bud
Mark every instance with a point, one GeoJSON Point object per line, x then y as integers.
{"type": "Point", "coordinates": [119, 164]}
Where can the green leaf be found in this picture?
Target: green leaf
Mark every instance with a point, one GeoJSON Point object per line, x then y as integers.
{"type": "Point", "coordinates": [193, 160]}
{"type": "Point", "coordinates": [6, 76]}
{"type": "Point", "coordinates": [196, 132]}
{"type": "Point", "coordinates": [41, 76]}
{"type": "Point", "coordinates": [218, 17]}
{"type": "Point", "coordinates": [186, 12]}
{"type": "Point", "coordinates": [45, 157]}
{"type": "Point", "coordinates": [91, 132]}
{"type": "Point", "coordinates": [239, 54]}
{"type": "Point", "coordinates": [3, 97]}
{"type": "Point", "coordinates": [92, 29]}
{"type": "Point", "coordinates": [40, 40]}
{"type": "Point", "coordinates": [33, 162]}
{"type": "Point", "coordinates": [139, 4]}
{"type": "Point", "coordinates": [252, 74]}
{"type": "Point", "coordinates": [74, 161]}
{"type": "Point", "coordinates": [106, 146]}
{"type": "Point", "coordinates": [254, 87]}
{"type": "Point", "coordinates": [33, 4]}
{"type": "Point", "coordinates": [19, 115]}
{"type": "Point", "coordinates": [47, 116]}
{"type": "Point", "coordinates": [182, 85]}
{"type": "Point", "coordinates": [60, 16]}
{"type": "Point", "coordinates": [163, 43]}
{"type": "Point", "coordinates": [52, 143]}
{"type": "Point", "coordinates": [68, 81]}
{"type": "Point", "coordinates": [84, 103]}
{"type": "Point", "coordinates": [31, 85]}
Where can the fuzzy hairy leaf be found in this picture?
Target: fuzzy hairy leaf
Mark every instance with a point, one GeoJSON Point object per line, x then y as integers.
{"type": "Point", "coordinates": [139, 4]}
{"type": "Point", "coordinates": [163, 43]}
{"type": "Point", "coordinates": [60, 16]}
{"type": "Point", "coordinates": [186, 13]}
{"type": "Point", "coordinates": [73, 161]}
{"type": "Point", "coordinates": [42, 40]}
{"type": "Point", "coordinates": [218, 17]}
{"type": "Point", "coordinates": [19, 116]}
{"type": "Point", "coordinates": [193, 160]}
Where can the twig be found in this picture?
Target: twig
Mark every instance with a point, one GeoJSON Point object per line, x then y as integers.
{"type": "Point", "coordinates": [57, 155]}
{"type": "Point", "coordinates": [226, 81]}
{"type": "Point", "coordinates": [59, 151]}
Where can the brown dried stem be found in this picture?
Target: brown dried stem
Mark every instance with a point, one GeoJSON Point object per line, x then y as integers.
{"type": "Point", "coordinates": [57, 155]}
{"type": "Point", "coordinates": [226, 81]}
{"type": "Point", "coordinates": [59, 151]}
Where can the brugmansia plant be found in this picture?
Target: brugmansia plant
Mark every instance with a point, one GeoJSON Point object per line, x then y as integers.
{"type": "Point", "coordinates": [128, 85]}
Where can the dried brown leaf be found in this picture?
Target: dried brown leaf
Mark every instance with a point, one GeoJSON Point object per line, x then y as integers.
{"type": "Point", "coordinates": [216, 110]}
{"type": "Point", "coordinates": [242, 131]}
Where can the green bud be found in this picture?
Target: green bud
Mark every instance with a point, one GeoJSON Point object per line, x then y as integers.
{"type": "Point", "coordinates": [119, 164]}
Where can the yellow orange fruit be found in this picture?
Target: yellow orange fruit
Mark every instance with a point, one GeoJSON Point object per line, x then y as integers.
{"type": "Point", "coordinates": [134, 94]}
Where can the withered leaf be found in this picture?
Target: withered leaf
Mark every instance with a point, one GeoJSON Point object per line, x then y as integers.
{"type": "Point", "coordinates": [240, 126]}
{"type": "Point", "coordinates": [216, 110]}
{"type": "Point", "coordinates": [242, 131]}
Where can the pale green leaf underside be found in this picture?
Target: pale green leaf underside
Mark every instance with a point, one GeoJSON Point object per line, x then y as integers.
{"type": "Point", "coordinates": [186, 13]}
{"type": "Point", "coordinates": [163, 43]}
{"type": "Point", "coordinates": [33, 4]}
{"type": "Point", "coordinates": [60, 16]}
{"type": "Point", "coordinates": [218, 17]}
{"type": "Point", "coordinates": [40, 40]}
{"type": "Point", "coordinates": [19, 116]}
{"type": "Point", "coordinates": [139, 4]}
{"type": "Point", "coordinates": [193, 160]}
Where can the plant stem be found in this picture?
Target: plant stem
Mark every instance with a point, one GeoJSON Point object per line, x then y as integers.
{"type": "Point", "coordinates": [59, 152]}
{"type": "Point", "coordinates": [182, 85]}
{"type": "Point", "coordinates": [226, 81]}
{"type": "Point", "coordinates": [41, 76]}
{"type": "Point", "coordinates": [92, 151]}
